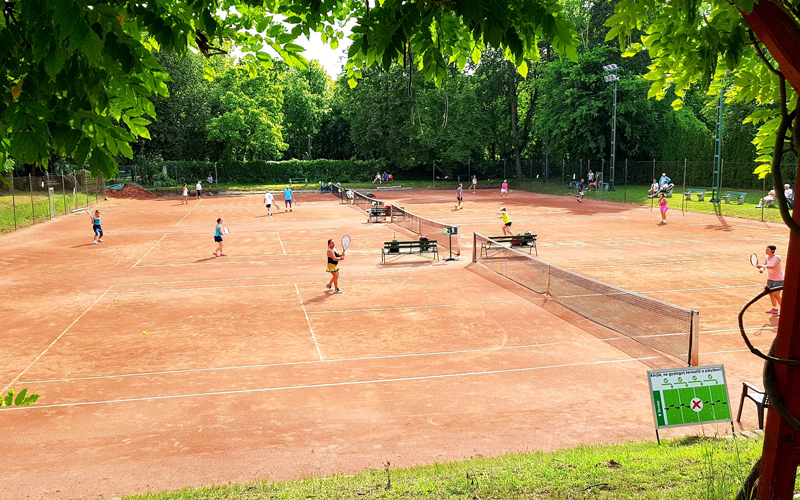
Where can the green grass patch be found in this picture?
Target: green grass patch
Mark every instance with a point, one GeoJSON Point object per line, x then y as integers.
{"type": "Point", "coordinates": [28, 214]}
{"type": "Point", "coordinates": [691, 468]}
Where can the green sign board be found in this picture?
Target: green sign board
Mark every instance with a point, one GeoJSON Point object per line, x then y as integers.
{"type": "Point", "coordinates": [689, 396]}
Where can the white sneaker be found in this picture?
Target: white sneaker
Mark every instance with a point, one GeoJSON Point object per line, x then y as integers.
{"type": "Point", "coordinates": [94, 243]}
{"type": "Point", "coordinates": [101, 239]}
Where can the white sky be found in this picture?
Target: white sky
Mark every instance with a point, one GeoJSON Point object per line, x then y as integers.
{"type": "Point", "coordinates": [331, 60]}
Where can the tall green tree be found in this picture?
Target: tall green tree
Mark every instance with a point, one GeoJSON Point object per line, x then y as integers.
{"type": "Point", "coordinates": [305, 95]}
{"type": "Point", "coordinates": [249, 125]}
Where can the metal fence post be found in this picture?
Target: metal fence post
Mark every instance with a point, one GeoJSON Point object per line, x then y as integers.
{"type": "Point", "coordinates": [64, 193]}
{"type": "Point", "coordinates": [13, 200]}
{"type": "Point", "coordinates": [30, 187]}
{"type": "Point", "coordinates": [625, 196]}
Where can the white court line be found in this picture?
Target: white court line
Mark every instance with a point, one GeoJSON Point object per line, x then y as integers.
{"type": "Point", "coordinates": [281, 242]}
{"type": "Point", "coordinates": [266, 285]}
{"type": "Point", "coordinates": [308, 321]}
{"type": "Point", "coordinates": [334, 360]}
{"type": "Point", "coordinates": [417, 307]}
{"type": "Point", "coordinates": [255, 278]}
{"type": "Point", "coordinates": [190, 211]}
{"type": "Point", "coordinates": [732, 277]}
{"type": "Point", "coordinates": [668, 263]}
{"type": "Point", "coordinates": [151, 249]}
{"type": "Point", "coordinates": [331, 384]}
{"type": "Point", "coordinates": [54, 341]}
{"type": "Point", "coordinates": [753, 329]}
{"type": "Point", "coordinates": [698, 289]}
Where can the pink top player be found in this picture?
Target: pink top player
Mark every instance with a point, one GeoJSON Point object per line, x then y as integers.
{"type": "Point", "coordinates": [774, 272]}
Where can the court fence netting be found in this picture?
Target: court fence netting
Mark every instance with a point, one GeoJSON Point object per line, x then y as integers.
{"type": "Point", "coordinates": [446, 235]}
{"type": "Point", "coordinates": [656, 324]}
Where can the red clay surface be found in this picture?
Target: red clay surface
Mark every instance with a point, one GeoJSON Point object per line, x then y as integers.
{"type": "Point", "coordinates": [131, 192]}
{"type": "Point", "coordinates": [251, 370]}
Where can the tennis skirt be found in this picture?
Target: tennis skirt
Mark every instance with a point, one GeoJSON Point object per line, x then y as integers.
{"type": "Point", "coordinates": [332, 268]}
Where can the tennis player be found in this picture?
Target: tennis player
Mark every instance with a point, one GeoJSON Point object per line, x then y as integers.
{"type": "Point", "coordinates": [185, 199]}
{"type": "Point", "coordinates": [460, 196]}
{"type": "Point", "coordinates": [504, 189]}
{"type": "Point", "coordinates": [774, 278]}
{"type": "Point", "coordinates": [269, 199]}
{"type": "Point", "coordinates": [198, 189]}
{"type": "Point", "coordinates": [287, 199]}
{"type": "Point", "coordinates": [506, 222]}
{"type": "Point", "coordinates": [662, 204]}
{"type": "Point", "coordinates": [218, 238]}
{"type": "Point", "coordinates": [580, 191]}
{"type": "Point", "coordinates": [98, 230]}
{"type": "Point", "coordinates": [333, 268]}
{"type": "Point", "coordinates": [474, 184]}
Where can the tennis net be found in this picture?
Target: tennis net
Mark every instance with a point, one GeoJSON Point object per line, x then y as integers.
{"type": "Point", "coordinates": [446, 235]}
{"type": "Point", "coordinates": [656, 324]}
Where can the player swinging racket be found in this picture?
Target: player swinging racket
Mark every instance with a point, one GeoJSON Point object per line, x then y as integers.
{"type": "Point", "coordinates": [333, 267]}
{"type": "Point", "coordinates": [218, 232]}
{"type": "Point", "coordinates": [506, 222]}
{"type": "Point", "coordinates": [460, 196]}
{"type": "Point", "coordinates": [269, 199]}
{"type": "Point", "coordinates": [98, 230]}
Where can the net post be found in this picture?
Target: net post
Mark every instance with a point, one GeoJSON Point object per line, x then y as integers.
{"type": "Point", "coordinates": [694, 344]}
{"type": "Point", "coordinates": [474, 246]}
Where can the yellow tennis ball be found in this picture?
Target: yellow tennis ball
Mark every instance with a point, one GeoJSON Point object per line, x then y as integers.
{"type": "Point", "coordinates": [144, 333]}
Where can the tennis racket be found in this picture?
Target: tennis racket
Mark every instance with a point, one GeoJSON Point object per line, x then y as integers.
{"type": "Point", "coordinates": [225, 230]}
{"type": "Point", "coordinates": [85, 210]}
{"type": "Point", "coordinates": [754, 262]}
{"type": "Point", "coordinates": [346, 240]}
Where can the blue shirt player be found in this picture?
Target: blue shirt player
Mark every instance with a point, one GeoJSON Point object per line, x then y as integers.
{"type": "Point", "coordinates": [98, 230]}
{"type": "Point", "coordinates": [287, 199]}
{"type": "Point", "coordinates": [580, 191]}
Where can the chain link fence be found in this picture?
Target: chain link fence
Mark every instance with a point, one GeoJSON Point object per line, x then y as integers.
{"type": "Point", "coordinates": [28, 200]}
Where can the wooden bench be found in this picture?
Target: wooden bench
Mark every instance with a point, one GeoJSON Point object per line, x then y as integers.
{"type": "Point", "coordinates": [297, 181]}
{"type": "Point", "coordinates": [409, 247]}
{"type": "Point", "coordinates": [377, 214]}
{"type": "Point", "coordinates": [701, 194]}
{"type": "Point", "coordinates": [517, 242]}
{"type": "Point", "coordinates": [739, 196]}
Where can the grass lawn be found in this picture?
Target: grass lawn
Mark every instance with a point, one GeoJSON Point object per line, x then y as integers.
{"type": "Point", "coordinates": [41, 208]}
{"type": "Point", "coordinates": [692, 468]}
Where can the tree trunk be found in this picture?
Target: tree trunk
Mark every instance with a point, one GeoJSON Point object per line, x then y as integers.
{"type": "Point", "coordinates": [512, 90]}
{"type": "Point", "coordinates": [780, 34]}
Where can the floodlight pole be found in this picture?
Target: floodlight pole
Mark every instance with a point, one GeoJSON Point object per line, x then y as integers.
{"type": "Point", "coordinates": [612, 68]}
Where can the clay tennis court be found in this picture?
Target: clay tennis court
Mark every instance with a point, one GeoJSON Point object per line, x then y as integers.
{"type": "Point", "coordinates": [250, 370]}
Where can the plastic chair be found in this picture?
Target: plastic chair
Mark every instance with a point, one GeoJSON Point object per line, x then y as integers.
{"type": "Point", "coordinates": [756, 395]}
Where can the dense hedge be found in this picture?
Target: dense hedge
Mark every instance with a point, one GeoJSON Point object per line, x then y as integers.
{"type": "Point", "coordinates": [263, 172]}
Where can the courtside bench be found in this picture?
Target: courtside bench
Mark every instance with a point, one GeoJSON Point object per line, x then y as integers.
{"type": "Point", "coordinates": [739, 196]}
{"type": "Point", "coordinates": [409, 247]}
{"type": "Point", "coordinates": [377, 214]}
{"type": "Point", "coordinates": [701, 194]}
{"type": "Point", "coordinates": [517, 242]}
{"type": "Point", "coordinates": [298, 181]}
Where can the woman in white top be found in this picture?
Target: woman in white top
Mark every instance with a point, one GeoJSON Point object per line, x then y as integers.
{"type": "Point", "coordinates": [474, 184]}
{"type": "Point", "coordinates": [185, 198]}
{"type": "Point", "coordinates": [198, 189]}
{"type": "Point", "coordinates": [767, 200]}
{"type": "Point", "coordinates": [268, 200]}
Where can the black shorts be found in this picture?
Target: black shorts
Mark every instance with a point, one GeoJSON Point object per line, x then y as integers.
{"type": "Point", "coordinates": [218, 239]}
{"type": "Point", "coordinates": [98, 230]}
{"type": "Point", "coordinates": [508, 224]}
{"type": "Point", "coordinates": [459, 199]}
{"type": "Point", "coordinates": [269, 205]}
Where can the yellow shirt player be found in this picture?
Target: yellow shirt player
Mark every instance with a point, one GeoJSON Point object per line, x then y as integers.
{"type": "Point", "coordinates": [506, 221]}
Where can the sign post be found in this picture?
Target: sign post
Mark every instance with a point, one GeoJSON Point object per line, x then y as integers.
{"type": "Point", "coordinates": [689, 396]}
